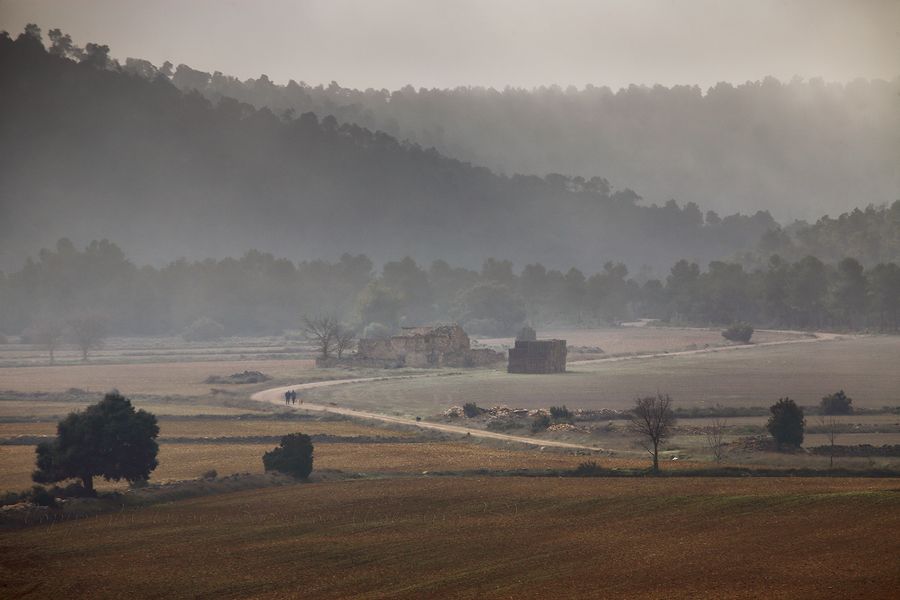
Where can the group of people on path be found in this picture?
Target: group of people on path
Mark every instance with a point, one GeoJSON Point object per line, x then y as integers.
{"type": "Point", "coordinates": [290, 397]}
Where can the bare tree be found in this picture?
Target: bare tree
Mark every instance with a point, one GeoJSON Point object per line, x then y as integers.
{"type": "Point", "coordinates": [88, 333]}
{"type": "Point", "coordinates": [652, 419]}
{"type": "Point", "coordinates": [322, 331]}
{"type": "Point", "coordinates": [830, 426]}
{"type": "Point", "coordinates": [715, 437]}
{"type": "Point", "coordinates": [49, 335]}
{"type": "Point", "coordinates": [344, 340]}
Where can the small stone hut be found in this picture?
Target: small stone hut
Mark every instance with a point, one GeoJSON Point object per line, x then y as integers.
{"type": "Point", "coordinates": [539, 356]}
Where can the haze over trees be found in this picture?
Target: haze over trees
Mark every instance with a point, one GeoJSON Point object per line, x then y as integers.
{"type": "Point", "coordinates": [261, 294]}
{"type": "Point", "coordinates": [816, 147]}
{"type": "Point", "coordinates": [93, 147]}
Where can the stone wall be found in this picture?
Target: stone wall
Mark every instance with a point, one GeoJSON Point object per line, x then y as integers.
{"type": "Point", "coordinates": [541, 356]}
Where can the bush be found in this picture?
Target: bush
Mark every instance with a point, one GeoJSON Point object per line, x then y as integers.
{"type": "Point", "coordinates": [526, 334]}
{"type": "Point", "coordinates": [739, 332]}
{"type": "Point", "coordinates": [786, 423]}
{"type": "Point", "coordinates": [293, 456]}
{"type": "Point", "coordinates": [540, 423]}
{"type": "Point", "coordinates": [211, 474]}
{"type": "Point", "coordinates": [561, 413]}
{"type": "Point", "coordinates": [837, 404]}
{"type": "Point", "coordinates": [42, 497]}
{"type": "Point", "coordinates": [470, 409]}
{"type": "Point", "coordinates": [203, 329]}
{"type": "Point", "coordinates": [588, 469]}
{"type": "Point", "coordinates": [376, 331]}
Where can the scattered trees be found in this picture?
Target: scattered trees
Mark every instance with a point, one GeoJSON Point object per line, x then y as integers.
{"type": "Point", "coordinates": [739, 332]}
{"type": "Point", "coordinates": [652, 419]}
{"type": "Point", "coordinates": [48, 334]}
{"type": "Point", "coordinates": [322, 332]}
{"type": "Point", "coordinates": [786, 423]}
{"type": "Point", "coordinates": [109, 439]}
{"type": "Point", "coordinates": [293, 456]}
{"type": "Point", "coordinates": [836, 404]}
{"type": "Point", "coordinates": [344, 340]}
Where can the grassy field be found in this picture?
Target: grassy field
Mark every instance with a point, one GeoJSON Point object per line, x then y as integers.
{"type": "Point", "coordinates": [865, 367]}
{"type": "Point", "coordinates": [480, 538]}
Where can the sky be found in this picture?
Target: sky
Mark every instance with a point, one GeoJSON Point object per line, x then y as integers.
{"type": "Point", "coordinates": [522, 43]}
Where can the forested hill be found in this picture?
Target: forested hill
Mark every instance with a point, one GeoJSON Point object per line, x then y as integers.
{"type": "Point", "coordinates": [90, 151]}
{"type": "Point", "coordinates": [799, 149]}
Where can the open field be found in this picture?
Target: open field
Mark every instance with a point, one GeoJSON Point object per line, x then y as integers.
{"type": "Point", "coordinates": [181, 378]}
{"type": "Point", "coordinates": [122, 350]}
{"type": "Point", "coordinates": [187, 461]}
{"type": "Point", "coordinates": [481, 538]}
{"type": "Point", "coordinates": [865, 367]}
{"type": "Point", "coordinates": [629, 340]}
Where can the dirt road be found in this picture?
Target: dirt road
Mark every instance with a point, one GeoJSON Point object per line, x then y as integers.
{"type": "Point", "coordinates": [276, 395]}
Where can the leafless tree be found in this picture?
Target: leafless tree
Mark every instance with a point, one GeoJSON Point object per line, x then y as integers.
{"type": "Point", "coordinates": [322, 331]}
{"type": "Point", "coordinates": [830, 426]}
{"type": "Point", "coordinates": [344, 340]}
{"type": "Point", "coordinates": [49, 335]}
{"type": "Point", "coordinates": [715, 437]}
{"type": "Point", "coordinates": [652, 419]}
{"type": "Point", "coordinates": [88, 333]}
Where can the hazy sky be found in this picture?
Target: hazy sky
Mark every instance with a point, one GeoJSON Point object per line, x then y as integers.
{"type": "Point", "coordinates": [389, 43]}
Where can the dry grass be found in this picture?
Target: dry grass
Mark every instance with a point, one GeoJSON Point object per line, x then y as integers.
{"type": "Point", "coordinates": [202, 428]}
{"type": "Point", "coordinates": [47, 410]}
{"type": "Point", "coordinates": [864, 367]}
{"type": "Point", "coordinates": [176, 378]}
{"type": "Point", "coordinates": [481, 538]}
{"type": "Point", "coordinates": [626, 340]}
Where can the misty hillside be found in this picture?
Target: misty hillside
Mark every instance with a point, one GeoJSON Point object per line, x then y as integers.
{"type": "Point", "coordinates": [92, 151]}
{"type": "Point", "coordinates": [799, 149]}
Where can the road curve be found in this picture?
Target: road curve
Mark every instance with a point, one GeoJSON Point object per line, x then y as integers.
{"type": "Point", "coordinates": [276, 395]}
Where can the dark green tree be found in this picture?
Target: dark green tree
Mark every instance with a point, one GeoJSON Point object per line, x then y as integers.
{"type": "Point", "coordinates": [838, 403]}
{"type": "Point", "coordinates": [293, 456]}
{"type": "Point", "coordinates": [786, 423]}
{"type": "Point", "coordinates": [109, 439]}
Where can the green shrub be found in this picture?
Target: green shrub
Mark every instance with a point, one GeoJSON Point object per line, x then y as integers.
{"type": "Point", "coordinates": [837, 404]}
{"type": "Point", "coordinates": [739, 332]}
{"type": "Point", "coordinates": [561, 414]}
{"type": "Point", "coordinates": [293, 456]}
{"type": "Point", "coordinates": [541, 422]}
{"type": "Point", "coordinates": [470, 409]}
{"type": "Point", "coordinates": [786, 423]}
{"type": "Point", "coordinates": [42, 497]}
{"type": "Point", "coordinates": [588, 469]}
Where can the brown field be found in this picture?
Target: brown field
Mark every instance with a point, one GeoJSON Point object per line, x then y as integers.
{"type": "Point", "coordinates": [865, 367]}
{"type": "Point", "coordinates": [203, 428]}
{"type": "Point", "coordinates": [480, 538]}
{"type": "Point", "coordinates": [48, 410]}
{"type": "Point", "coordinates": [188, 461]}
{"type": "Point", "coordinates": [177, 378]}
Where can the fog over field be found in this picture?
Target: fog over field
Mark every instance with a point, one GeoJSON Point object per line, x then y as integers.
{"type": "Point", "coordinates": [458, 299]}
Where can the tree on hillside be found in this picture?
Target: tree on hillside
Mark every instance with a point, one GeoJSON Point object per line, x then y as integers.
{"type": "Point", "coordinates": [322, 332]}
{"type": "Point", "coordinates": [109, 439]}
{"type": "Point", "coordinates": [293, 456]}
{"type": "Point", "coordinates": [88, 333]}
{"type": "Point", "coordinates": [786, 423]}
{"type": "Point", "coordinates": [652, 419]}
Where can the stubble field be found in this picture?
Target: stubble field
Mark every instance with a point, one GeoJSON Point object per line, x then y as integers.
{"type": "Point", "coordinates": [481, 538]}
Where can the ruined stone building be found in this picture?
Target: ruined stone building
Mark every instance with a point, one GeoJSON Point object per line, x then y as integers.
{"type": "Point", "coordinates": [539, 356]}
{"type": "Point", "coordinates": [420, 347]}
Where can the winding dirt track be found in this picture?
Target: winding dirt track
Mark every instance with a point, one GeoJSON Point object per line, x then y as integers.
{"type": "Point", "coordinates": [276, 395]}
